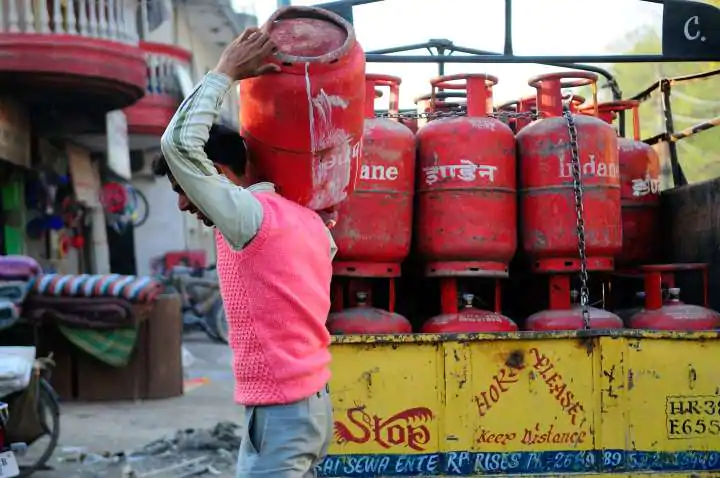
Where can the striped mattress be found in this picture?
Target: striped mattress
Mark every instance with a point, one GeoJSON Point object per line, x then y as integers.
{"type": "Point", "coordinates": [131, 288]}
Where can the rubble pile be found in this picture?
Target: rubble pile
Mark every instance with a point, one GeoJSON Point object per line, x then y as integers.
{"type": "Point", "coordinates": [189, 452]}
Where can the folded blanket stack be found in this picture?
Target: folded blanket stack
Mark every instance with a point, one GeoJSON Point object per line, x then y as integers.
{"type": "Point", "coordinates": [99, 314]}
{"type": "Point", "coordinates": [90, 301]}
{"type": "Point", "coordinates": [94, 313]}
{"type": "Point", "coordinates": [17, 274]}
{"type": "Point", "coordinates": [131, 288]}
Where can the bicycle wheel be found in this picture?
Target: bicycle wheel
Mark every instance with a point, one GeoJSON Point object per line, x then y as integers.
{"type": "Point", "coordinates": [140, 206]}
{"type": "Point", "coordinates": [217, 320]}
{"type": "Point", "coordinates": [49, 413]}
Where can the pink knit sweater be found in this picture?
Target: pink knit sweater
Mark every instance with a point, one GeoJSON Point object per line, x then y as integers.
{"type": "Point", "coordinates": [276, 293]}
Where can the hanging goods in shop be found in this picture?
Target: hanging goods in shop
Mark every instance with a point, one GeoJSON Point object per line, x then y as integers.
{"type": "Point", "coordinates": [639, 189]}
{"type": "Point", "coordinates": [375, 223]}
{"type": "Point", "coordinates": [114, 197]}
{"type": "Point", "coordinates": [548, 210]}
{"type": "Point", "coordinates": [466, 216]}
{"type": "Point", "coordinates": [364, 319]}
{"type": "Point", "coordinates": [304, 125]}
{"type": "Point", "coordinates": [663, 308]}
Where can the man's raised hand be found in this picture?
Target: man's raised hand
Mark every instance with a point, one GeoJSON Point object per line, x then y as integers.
{"type": "Point", "coordinates": [247, 56]}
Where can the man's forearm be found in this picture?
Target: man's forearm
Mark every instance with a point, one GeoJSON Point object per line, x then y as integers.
{"type": "Point", "coordinates": [185, 137]}
{"type": "Point", "coordinates": [234, 210]}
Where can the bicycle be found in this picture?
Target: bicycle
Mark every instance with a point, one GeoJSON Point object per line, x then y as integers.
{"type": "Point", "coordinates": [34, 415]}
{"type": "Point", "coordinates": [199, 289]}
{"type": "Point", "coordinates": [124, 206]}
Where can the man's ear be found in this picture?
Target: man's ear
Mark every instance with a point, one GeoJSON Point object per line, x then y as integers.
{"type": "Point", "coordinates": [229, 173]}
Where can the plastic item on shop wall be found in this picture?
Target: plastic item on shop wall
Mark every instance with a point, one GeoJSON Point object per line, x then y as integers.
{"type": "Point", "coordinates": [63, 245]}
{"type": "Point", "coordinates": [35, 228]}
{"type": "Point", "coordinates": [72, 212]}
{"type": "Point", "coordinates": [54, 222]}
{"type": "Point", "coordinates": [33, 195]}
{"type": "Point", "coordinates": [78, 242]}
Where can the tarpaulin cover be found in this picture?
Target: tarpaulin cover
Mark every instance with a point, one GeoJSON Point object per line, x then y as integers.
{"type": "Point", "coordinates": [112, 346]}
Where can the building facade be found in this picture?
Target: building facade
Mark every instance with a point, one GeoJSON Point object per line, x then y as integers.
{"type": "Point", "coordinates": [86, 90]}
{"type": "Point", "coordinates": [205, 28]}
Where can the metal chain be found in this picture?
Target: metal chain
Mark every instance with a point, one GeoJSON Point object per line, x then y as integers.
{"type": "Point", "coordinates": [578, 191]}
{"type": "Point", "coordinates": [501, 115]}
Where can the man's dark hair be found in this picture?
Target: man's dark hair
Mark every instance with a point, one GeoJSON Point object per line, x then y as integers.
{"type": "Point", "coordinates": [224, 146]}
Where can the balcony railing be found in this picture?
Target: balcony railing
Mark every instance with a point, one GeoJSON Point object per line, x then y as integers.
{"type": "Point", "coordinates": [150, 115]}
{"type": "Point", "coordinates": [161, 63]}
{"type": "Point", "coordinates": [114, 20]}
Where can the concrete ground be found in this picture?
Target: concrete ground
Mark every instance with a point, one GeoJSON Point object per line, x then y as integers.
{"type": "Point", "coordinates": [97, 428]}
{"type": "Point", "coordinates": [93, 429]}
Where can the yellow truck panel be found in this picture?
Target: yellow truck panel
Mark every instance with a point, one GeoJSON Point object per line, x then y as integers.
{"type": "Point", "coordinates": [621, 403]}
{"type": "Point", "coordinates": [672, 399]}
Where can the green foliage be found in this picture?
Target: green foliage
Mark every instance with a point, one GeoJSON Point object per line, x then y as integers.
{"type": "Point", "coordinates": [692, 102]}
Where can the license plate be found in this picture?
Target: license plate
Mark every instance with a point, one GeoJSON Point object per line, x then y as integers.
{"type": "Point", "coordinates": [8, 465]}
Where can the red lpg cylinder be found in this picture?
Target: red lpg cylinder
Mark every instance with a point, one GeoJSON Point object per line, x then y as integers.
{"type": "Point", "coordinates": [469, 320]}
{"type": "Point", "coordinates": [547, 202]}
{"type": "Point", "coordinates": [572, 319]}
{"type": "Point", "coordinates": [467, 210]}
{"type": "Point", "coordinates": [363, 319]}
{"type": "Point", "coordinates": [375, 223]}
{"type": "Point", "coordinates": [670, 313]}
{"type": "Point", "coordinates": [304, 125]}
{"type": "Point", "coordinates": [565, 314]}
{"type": "Point", "coordinates": [640, 189]}
{"type": "Point", "coordinates": [673, 314]}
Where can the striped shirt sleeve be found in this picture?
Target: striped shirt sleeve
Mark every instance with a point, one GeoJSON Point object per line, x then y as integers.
{"type": "Point", "coordinates": [234, 210]}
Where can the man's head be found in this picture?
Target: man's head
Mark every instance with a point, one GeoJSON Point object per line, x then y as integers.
{"type": "Point", "coordinates": [226, 149]}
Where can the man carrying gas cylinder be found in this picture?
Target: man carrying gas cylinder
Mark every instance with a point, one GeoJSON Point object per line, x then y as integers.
{"type": "Point", "coordinates": [274, 260]}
